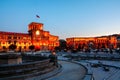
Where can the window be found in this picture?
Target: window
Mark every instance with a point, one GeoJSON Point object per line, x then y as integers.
{"type": "Point", "coordinates": [24, 42]}
{"type": "Point", "coordinates": [18, 37]}
{"type": "Point", "coordinates": [9, 37]}
{"type": "Point", "coordinates": [24, 38]}
{"type": "Point", "coordinates": [14, 37]}
{"type": "Point", "coordinates": [15, 42]}
{"type": "Point", "coordinates": [24, 47]}
{"type": "Point", "coordinates": [9, 42]}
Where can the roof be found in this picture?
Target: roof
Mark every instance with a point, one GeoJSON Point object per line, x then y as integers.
{"type": "Point", "coordinates": [12, 33]}
{"type": "Point", "coordinates": [35, 23]}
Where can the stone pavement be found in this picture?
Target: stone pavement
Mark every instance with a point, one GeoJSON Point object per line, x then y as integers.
{"type": "Point", "coordinates": [113, 74]}
{"type": "Point", "coordinates": [71, 71]}
{"type": "Point", "coordinates": [99, 73]}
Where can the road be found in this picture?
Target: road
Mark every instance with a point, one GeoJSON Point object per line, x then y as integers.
{"type": "Point", "coordinates": [71, 71]}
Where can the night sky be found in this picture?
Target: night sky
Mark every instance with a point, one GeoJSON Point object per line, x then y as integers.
{"type": "Point", "coordinates": [64, 18]}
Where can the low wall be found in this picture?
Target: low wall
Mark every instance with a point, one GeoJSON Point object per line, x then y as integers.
{"type": "Point", "coordinates": [94, 57]}
{"type": "Point", "coordinates": [32, 58]}
{"type": "Point", "coordinates": [27, 69]}
{"type": "Point", "coordinates": [89, 74]}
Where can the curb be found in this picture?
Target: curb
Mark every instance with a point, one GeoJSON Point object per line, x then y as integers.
{"type": "Point", "coordinates": [78, 64]}
{"type": "Point", "coordinates": [51, 74]}
{"type": "Point", "coordinates": [47, 75]}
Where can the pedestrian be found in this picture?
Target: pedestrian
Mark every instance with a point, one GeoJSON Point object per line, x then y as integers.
{"type": "Point", "coordinates": [53, 58]}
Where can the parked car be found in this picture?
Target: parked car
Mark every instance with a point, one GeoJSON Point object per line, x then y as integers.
{"type": "Point", "coordinates": [95, 65]}
{"type": "Point", "coordinates": [106, 50]}
{"type": "Point", "coordinates": [106, 68]}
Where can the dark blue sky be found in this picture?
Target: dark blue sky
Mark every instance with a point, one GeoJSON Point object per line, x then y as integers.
{"type": "Point", "coordinates": [65, 18]}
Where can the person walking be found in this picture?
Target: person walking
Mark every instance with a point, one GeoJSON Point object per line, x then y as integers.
{"type": "Point", "coordinates": [53, 58]}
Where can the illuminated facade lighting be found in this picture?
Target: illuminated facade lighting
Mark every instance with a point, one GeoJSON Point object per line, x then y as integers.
{"type": "Point", "coordinates": [36, 36]}
{"type": "Point", "coordinates": [110, 41]}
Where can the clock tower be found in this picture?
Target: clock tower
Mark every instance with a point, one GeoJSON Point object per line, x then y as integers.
{"type": "Point", "coordinates": [41, 39]}
{"type": "Point", "coordinates": [35, 31]}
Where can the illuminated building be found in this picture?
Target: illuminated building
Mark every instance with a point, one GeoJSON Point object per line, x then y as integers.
{"type": "Point", "coordinates": [111, 41]}
{"type": "Point", "coordinates": [42, 40]}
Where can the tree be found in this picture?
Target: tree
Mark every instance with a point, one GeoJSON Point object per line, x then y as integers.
{"type": "Point", "coordinates": [4, 48]}
{"type": "Point", "coordinates": [57, 48]}
{"type": "Point", "coordinates": [20, 49]}
{"type": "Point", "coordinates": [31, 47]}
{"type": "Point", "coordinates": [79, 47]}
{"type": "Point", "coordinates": [12, 47]}
{"type": "Point", "coordinates": [63, 44]}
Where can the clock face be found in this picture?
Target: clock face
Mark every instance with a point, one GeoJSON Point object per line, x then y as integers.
{"type": "Point", "coordinates": [37, 32]}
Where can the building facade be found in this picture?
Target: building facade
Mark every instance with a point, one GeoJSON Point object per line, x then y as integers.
{"type": "Point", "coordinates": [42, 40]}
{"type": "Point", "coordinates": [111, 42]}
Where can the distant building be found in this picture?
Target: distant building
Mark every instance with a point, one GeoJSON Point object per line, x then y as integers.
{"type": "Point", "coordinates": [111, 41]}
{"type": "Point", "coordinates": [42, 40]}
